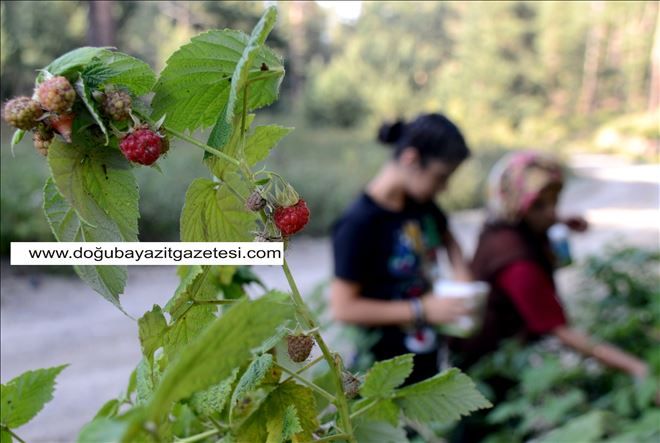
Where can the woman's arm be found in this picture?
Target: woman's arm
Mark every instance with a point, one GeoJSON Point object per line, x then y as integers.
{"type": "Point", "coordinates": [349, 306]}
{"type": "Point", "coordinates": [455, 254]}
{"type": "Point", "coordinates": [607, 354]}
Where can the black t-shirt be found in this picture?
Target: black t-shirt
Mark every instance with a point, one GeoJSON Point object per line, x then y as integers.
{"type": "Point", "coordinates": [392, 256]}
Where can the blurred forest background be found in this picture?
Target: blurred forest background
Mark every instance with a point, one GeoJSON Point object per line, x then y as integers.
{"type": "Point", "coordinates": [561, 76]}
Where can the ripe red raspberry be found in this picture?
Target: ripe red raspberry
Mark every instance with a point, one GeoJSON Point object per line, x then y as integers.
{"type": "Point", "coordinates": [117, 105]}
{"type": "Point", "coordinates": [22, 112]}
{"type": "Point", "coordinates": [292, 219]}
{"type": "Point", "coordinates": [299, 347]}
{"type": "Point", "coordinates": [56, 94]}
{"type": "Point", "coordinates": [142, 146]}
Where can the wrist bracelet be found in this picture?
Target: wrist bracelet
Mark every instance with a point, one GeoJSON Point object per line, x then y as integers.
{"type": "Point", "coordinates": [418, 312]}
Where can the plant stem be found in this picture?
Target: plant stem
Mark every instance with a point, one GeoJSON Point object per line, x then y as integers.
{"type": "Point", "coordinates": [335, 370]}
{"type": "Point", "coordinates": [303, 380]}
{"type": "Point", "coordinates": [306, 367]}
{"type": "Point", "coordinates": [214, 302]}
{"type": "Point", "coordinates": [10, 432]}
{"type": "Point", "coordinates": [364, 409]}
{"type": "Point", "coordinates": [198, 437]}
{"type": "Point", "coordinates": [332, 438]}
{"type": "Point", "coordinates": [207, 148]}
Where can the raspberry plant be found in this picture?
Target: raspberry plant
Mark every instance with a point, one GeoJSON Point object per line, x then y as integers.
{"type": "Point", "coordinates": [214, 364]}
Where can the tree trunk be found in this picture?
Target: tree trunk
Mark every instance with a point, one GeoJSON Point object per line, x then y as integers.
{"type": "Point", "coordinates": [101, 30]}
{"type": "Point", "coordinates": [595, 37]}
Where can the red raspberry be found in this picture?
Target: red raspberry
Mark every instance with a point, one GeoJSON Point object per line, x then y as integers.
{"type": "Point", "coordinates": [56, 94]}
{"type": "Point", "coordinates": [22, 112]}
{"type": "Point", "coordinates": [142, 146]}
{"type": "Point", "coordinates": [292, 219]}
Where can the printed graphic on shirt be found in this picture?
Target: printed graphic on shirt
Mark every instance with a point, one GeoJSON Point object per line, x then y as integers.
{"type": "Point", "coordinates": [413, 260]}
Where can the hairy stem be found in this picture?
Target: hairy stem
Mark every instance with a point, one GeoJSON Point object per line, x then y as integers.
{"type": "Point", "coordinates": [335, 370]}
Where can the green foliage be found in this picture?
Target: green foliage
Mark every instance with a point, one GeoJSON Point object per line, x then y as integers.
{"type": "Point", "coordinates": [385, 376]}
{"type": "Point", "coordinates": [212, 212]}
{"type": "Point", "coordinates": [195, 85]}
{"type": "Point", "coordinates": [444, 397]}
{"type": "Point", "coordinates": [24, 396]}
{"type": "Point", "coordinates": [566, 399]}
{"type": "Point", "coordinates": [66, 225]}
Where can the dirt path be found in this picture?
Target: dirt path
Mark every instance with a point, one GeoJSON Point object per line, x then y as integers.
{"type": "Point", "coordinates": [50, 320]}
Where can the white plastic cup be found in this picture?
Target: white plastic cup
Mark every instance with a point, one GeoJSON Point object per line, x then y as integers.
{"type": "Point", "coordinates": [475, 295]}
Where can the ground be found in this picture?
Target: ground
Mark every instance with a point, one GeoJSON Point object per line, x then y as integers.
{"type": "Point", "coordinates": [49, 320]}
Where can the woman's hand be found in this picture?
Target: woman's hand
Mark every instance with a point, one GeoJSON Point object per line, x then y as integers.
{"type": "Point", "coordinates": [440, 310]}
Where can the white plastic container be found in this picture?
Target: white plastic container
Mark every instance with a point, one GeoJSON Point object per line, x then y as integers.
{"type": "Point", "coordinates": [475, 295]}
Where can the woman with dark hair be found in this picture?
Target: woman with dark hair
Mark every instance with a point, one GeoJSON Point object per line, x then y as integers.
{"type": "Point", "coordinates": [387, 241]}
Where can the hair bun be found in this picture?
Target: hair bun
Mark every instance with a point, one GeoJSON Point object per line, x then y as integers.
{"type": "Point", "coordinates": [390, 133]}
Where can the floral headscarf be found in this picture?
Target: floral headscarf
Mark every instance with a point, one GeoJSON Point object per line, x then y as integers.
{"type": "Point", "coordinates": [516, 181]}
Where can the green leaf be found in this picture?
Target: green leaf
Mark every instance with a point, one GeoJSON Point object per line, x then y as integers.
{"type": "Point", "coordinates": [251, 378]}
{"type": "Point", "coordinates": [384, 410]}
{"type": "Point", "coordinates": [109, 281]}
{"type": "Point", "coordinates": [269, 422]}
{"type": "Point", "coordinates": [442, 398]}
{"type": "Point", "coordinates": [91, 177]}
{"type": "Point", "coordinates": [86, 96]}
{"type": "Point", "coordinates": [104, 430]}
{"type": "Point", "coordinates": [240, 77]}
{"type": "Point", "coordinates": [147, 376]}
{"type": "Point", "coordinates": [193, 89]}
{"type": "Point", "coordinates": [109, 409]}
{"type": "Point", "coordinates": [70, 62]}
{"type": "Point", "coordinates": [183, 294]}
{"type": "Point", "coordinates": [5, 436]}
{"type": "Point", "coordinates": [280, 431]}
{"type": "Point", "coordinates": [587, 428]}
{"type": "Point", "coordinates": [128, 71]}
{"type": "Point", "coordinates": [212, 213]}
{"type": "Point", "coordinates": [232, 147]}
{"type": "Point", "coordinates": [385, 376]}
{"type": "Point", "coordinates": [186, 329]}
{"type": "Point", "coordinates": [262, 140]}
{"type": "Point", "coordinates": [212, 401]}
{"type": "Point", "coordinates": [17, 137]}
{"type": "Point", "coordinates": [367, 431]}
{"type": "Point", "coordinates": [24, 396]}
{"type": "Point", "coordinates": [152, 327]}
{"type": "Point", "coordinates": [220, 348]}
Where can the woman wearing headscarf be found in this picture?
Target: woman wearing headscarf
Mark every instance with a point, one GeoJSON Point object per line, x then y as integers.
{"type": "Point", "coordinates": [515, 257]}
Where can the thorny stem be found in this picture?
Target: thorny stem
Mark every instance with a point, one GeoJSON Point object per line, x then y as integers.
{"type": "Point", "coordinates": [303, 380]}
{"type": "Point", "coordinates": [340, 399]}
